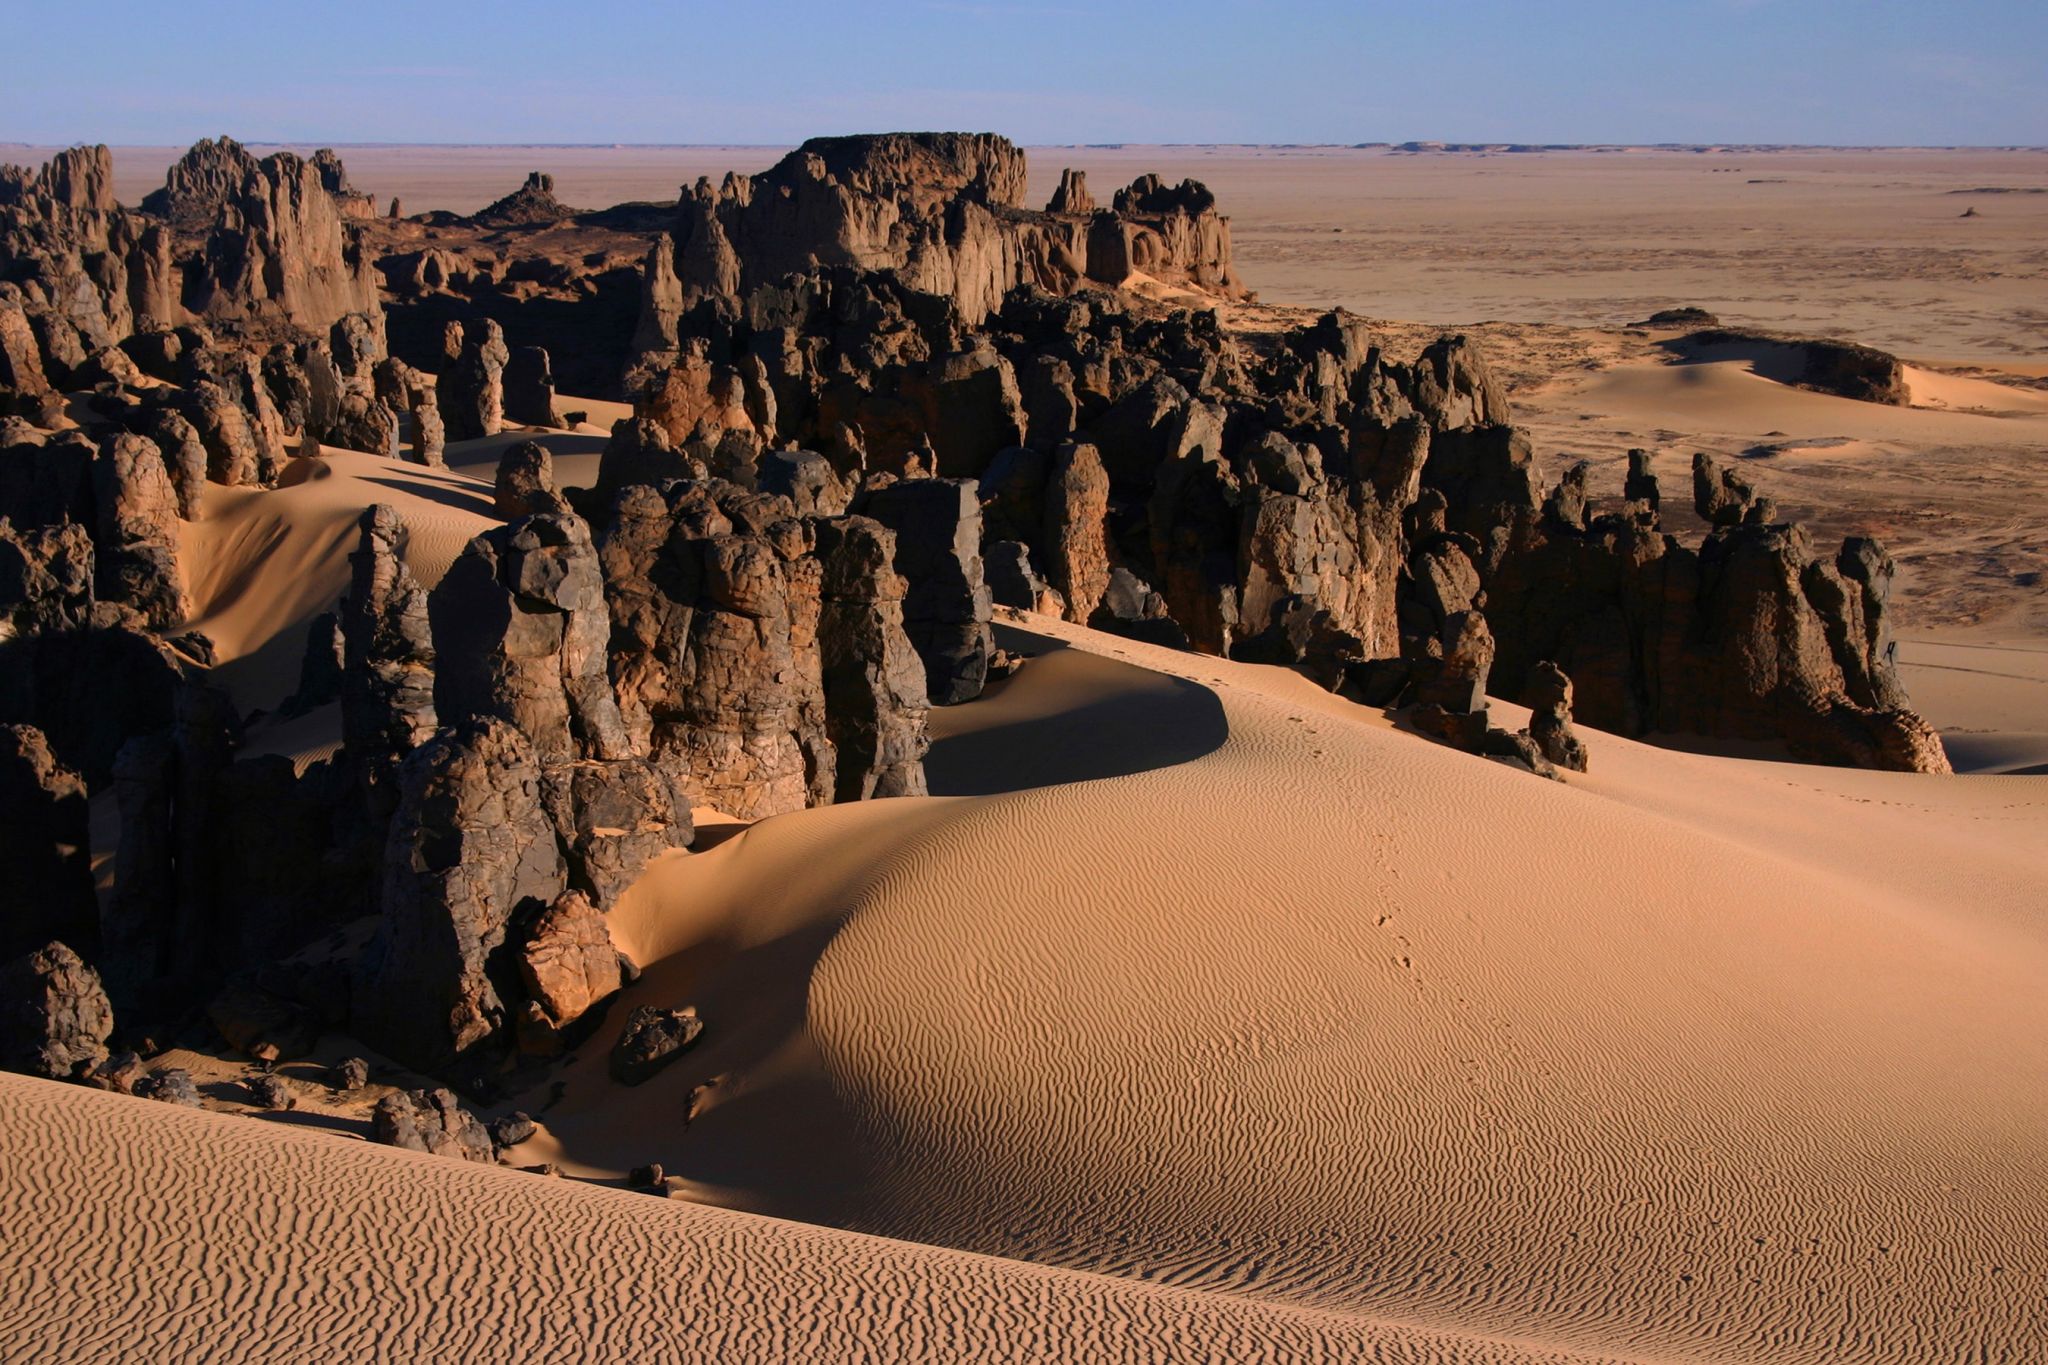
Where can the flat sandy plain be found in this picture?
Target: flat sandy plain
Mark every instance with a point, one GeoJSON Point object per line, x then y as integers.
{"type": "Point", "coordinates": [1201, 1015]}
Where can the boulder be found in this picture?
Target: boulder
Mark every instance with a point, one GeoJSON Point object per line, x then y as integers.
{"type": "Point", "coordinates": [653, 1038]}
{"type": "Point", "coordinates": [433, 1122]}
{"type": "Point", "coordinates": [54, 1015]}
{"type": "Point", "coordinates": [1549, 697]}
{"type": "Point", "coordinates": [567, 966]}
{"type": "Point", "coordinates": [525, 482]}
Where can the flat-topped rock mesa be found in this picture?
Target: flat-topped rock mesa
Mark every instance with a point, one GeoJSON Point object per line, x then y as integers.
{"type": "Point", "coordinates": [946, 212]}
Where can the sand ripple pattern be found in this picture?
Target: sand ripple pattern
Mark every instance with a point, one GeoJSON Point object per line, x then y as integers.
{"type": "Point", "coordinates": [138, 1232]}
{"type": "Point", "coordinates": [1692, 1059]}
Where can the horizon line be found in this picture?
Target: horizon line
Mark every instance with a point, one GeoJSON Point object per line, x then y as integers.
{"type": "Point", "coordinates": [1461, 145]}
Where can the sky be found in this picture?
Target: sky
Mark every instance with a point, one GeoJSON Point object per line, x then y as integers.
{"type": "Point", "coordinates": [1918, 72]}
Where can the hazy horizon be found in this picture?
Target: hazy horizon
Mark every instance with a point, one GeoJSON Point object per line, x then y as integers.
{"type": "Point", "coordinates": [1834, 73]}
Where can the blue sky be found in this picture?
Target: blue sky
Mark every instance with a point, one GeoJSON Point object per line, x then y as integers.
{"type": "Point", "coordinates": [1826, 71]}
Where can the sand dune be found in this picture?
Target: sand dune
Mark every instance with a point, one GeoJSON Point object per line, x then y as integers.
{"type": "Point", "coordinates": [1696, 1057]}
{"type": "Point", "coordinates": [217, 1238]}
{"type": "Point", "coordinates": [1203, 1015]}
{"type": "Point", "coordinates": [1355, 1043]}
{"type": "Point", "coordinates": [1194, 976]}
{"type": "Point", "coordinates": [261, 564]}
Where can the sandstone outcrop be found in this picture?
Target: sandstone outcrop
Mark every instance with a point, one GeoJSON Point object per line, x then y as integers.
{"type": "Point", "coordinates": [387, 693]}
{"type": "Point", "coordinates": [433, 1122]}
{"type": "Point", "coordinates": [529, 389]}
{"type": "Point", "coordinates": [1549, 695]}
{"type": "Point", "coordinates": [471, 386]}
{"type": "Point", "coordinates": [943, 210]}
{"type": "Point", "coordinates": [937, 523]}
{"type": "Point", "coordinates": [43, 829]}
{"type": "Point", "coordinates": [653, 1038]}
{"type": "Point", "coordinates": [525, 482]}
{"type": "Point", "coordinates": [874, 682]}
{"type": "Point", "coordinates": [704, 648]}
{"type": "Point", "coordinates": [54, 1016]}
{"type": "Point", "coordinates": [136, 531]}
{"type": "Point", "coordinates": [568, 966]}
{"type": "Point", "coordinates": [470, 846]}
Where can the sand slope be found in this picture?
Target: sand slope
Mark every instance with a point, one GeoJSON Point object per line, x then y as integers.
{"type": "Point", "coordinates": [1696, 1057]}
{"type": "Point", "coordinates": [1194, 975]}
{"type": "Point", "coordinates": [138, 1232]}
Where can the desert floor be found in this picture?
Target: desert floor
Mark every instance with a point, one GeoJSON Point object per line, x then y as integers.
{"type": "Point", "coordinates": [1201, 1014]}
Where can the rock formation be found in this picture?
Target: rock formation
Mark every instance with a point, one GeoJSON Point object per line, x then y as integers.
{"type": "Point", "coordinates": [471, 847]}
{"type": "Point", "coordinates": [568, 966]}
{"type": "Point", "coordinates": [471, 387]}
{"type": "Point", "coordinates": [43, 829]}
{"type": "Point", "coordinates": [529, 389]}
{"type": "Point", "coordinates": [943, 210]}
{"type": "Point", "coordinates": [54, 1017]}
{"type": "Point", "coordinates": [874, 682]}
{"type": "Point", "coordinates": [433, 1122]}
{"type": "Point", "coordinates": [937, 523]}
{"type": "Point", "coordinates": [387, 694]}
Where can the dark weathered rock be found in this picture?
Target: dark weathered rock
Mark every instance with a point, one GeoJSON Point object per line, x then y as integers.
{"type": "Point", "coordinates": [184, 457]}
{"type": "Point", "coordinates": [272, 1091]}
{"type": "Point", "coordinates": [1072, 195]}
{"type": "Point", "coordinates": [521, 630]}
{"type": "Point", "coordinates": [653, 1038]}
{"type": "Point", "coordinates": [938, 551]}
{"type": "Point", "coordinates": [261, 1025]}
{"type": "Point", "coordinates": [321, 667]}
{"type": "Point", "coordinates": [533, 202]}
{"type": "Point", "coordinates": [122, 1074]}
{"type": "Point", "coordinates": [1013, 580]}
{"type": "Point", "coordinates": [525, 483]}
{"type": "Point", "coordinates": [874, 682]}
{"type": "Point", "coordinates": [284, 252]}
{"type": "Point", "coordinates": [54, 1016]}
{"type": "Point", "coordinates": [171, 1085]}
{"type": "Point", "coordinates": [433, 1122]}
{"type": "Point", "coordinates": [350, 1074]}
{"type": "Point", "coordinates": [1549, 696]}
{"type": "Point", "coordinates": [1457, 682]}
{"type": "Point", "coordinates": [807, 479]}
{"type": "Point", "coordinates": [471, 385]}
{"type": "Point", "coordinates": [513, 1129]}
{"type": "Point", "coordinates": [616, 816]}
{"type": "Point", "coordinates": [136, 534]}
{"type": "Point", "coordinates": [471, 845]}
{"type": "Point", "coordinates": [705, 649]}
{"type": "Point", "coordinates": [529, 389]}
{"type": "Point", "coordinates": [44, 819]}
{"type": "Point", "coordinates": [387, 696]}
{"type": "Point", "coordinates": [1076, 535]}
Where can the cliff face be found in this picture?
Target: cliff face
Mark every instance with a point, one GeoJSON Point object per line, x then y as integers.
{"type": "Point", "coordinates": [283, 250]}
{"type": "Point", "coordinates": [946, 211]}
{"type": "Point", "coordinates": [229, 239]}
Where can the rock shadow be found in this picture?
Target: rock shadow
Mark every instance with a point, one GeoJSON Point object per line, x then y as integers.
{"type": "Point", "coordinates": [1157, 721]}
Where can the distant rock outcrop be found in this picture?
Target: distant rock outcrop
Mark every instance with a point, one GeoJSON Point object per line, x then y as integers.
{"type": "Point", "coordinates": [943, 210]}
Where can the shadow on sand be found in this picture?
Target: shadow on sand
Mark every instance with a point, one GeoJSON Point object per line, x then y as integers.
{"type": "Point", "coordinates": [1154, 721]}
